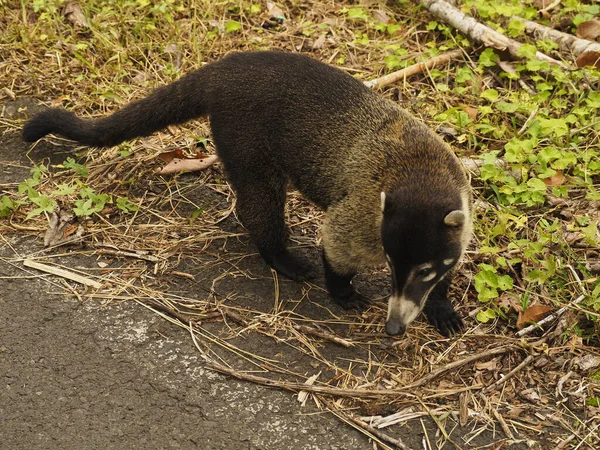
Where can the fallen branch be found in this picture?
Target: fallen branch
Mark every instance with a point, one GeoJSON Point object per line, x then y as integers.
{"type": "Point", "coordinates": [566, 41]}
{"type": "Point", "coordinates": [297, 387]}
{"type": "Point", "coordinates": [62, 273]}
{"type": "Point", "coordinates": [414, 69]}
{"type": "Point", "coordinates": [479, 32]}
{"type": "Point", "coordinates": [455, 364]}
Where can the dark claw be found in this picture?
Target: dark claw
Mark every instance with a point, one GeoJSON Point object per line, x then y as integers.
{"type": "Point", "coordinates": [445, 319]}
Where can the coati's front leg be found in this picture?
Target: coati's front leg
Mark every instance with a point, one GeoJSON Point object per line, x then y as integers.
{"type": "Point", "coordinates": [440, 312]}
{"type": "Point", "coordinates": [339, 286]}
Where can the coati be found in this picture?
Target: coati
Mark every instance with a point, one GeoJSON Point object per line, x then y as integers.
{"type": "Point", "coordinates": [392, 190]}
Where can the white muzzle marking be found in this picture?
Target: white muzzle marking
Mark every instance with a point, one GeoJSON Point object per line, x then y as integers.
{"type": "Point", "coordinates": [402, 310]}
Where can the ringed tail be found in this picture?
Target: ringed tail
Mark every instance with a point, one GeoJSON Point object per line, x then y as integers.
{"type": "Point", "coordinates": [176, 103]}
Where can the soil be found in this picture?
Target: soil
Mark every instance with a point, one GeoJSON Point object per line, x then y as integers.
{"type": "Point", "coordinates": [93, 374]}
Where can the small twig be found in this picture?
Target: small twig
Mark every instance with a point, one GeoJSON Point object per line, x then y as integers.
{"type": "Point", "coordinates": [503, 424]}
{"type": "Point", "coordinates": [551, 6]}
{"type": "Point", "coordinates": [550, 318]}
{"type": "Point", "coordinates": [413, 70]}
{"type": "Point", "coordinates": [62, 273]}
{"type": "Point", "coordinates": [323, 335]}
{"type": "Point", "coordinates": [509, 68]}
{"type": "Point", "coordinates": [182, 316]}
{"type": "Point", "coordinates": [563, 444]}
{"type": "Point", "coordinates": [510, 374]}
{"type": "Point", "coordinates": [138, 255]}
{"type": "Point", "coordinates": [234, 316]}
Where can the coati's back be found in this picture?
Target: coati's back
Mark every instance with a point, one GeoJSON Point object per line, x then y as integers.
{"type": "Point", "coordinates": [312, 119]}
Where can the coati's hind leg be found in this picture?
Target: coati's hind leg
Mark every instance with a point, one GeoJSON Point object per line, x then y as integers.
{"type": "Point", "coordinates": [440, 312]}
{"type": "Point", "coordinates": [261, 192]}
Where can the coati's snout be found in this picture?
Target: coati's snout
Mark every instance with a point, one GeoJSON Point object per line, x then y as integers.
{"type": "Point", "coordinates": [404, 307]}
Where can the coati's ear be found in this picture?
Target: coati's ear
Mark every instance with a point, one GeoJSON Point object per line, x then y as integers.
{"type": "Point", "coordinates": [455, 218]}
{"type": "Point", "coordinates": [382, 201]}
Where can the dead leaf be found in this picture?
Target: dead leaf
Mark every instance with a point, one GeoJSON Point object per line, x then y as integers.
{"type": "Point", "coordinates": [319, 42]}
{"type": "Point", "coordinates": [509, 303]}
{"type": "Point", "coordinates": [275, 11]}
{"type": "Point", "coordinates": [140, 78]}
{"type": "Point", "coordinates": [534, 313]}
{"type": "Point", "coordinates": [557, 179]}
{"type": "Point", "coordinates": [514, 411]}
{"type": "Point", "coordinates": [177, 165]}
{"type": "Point", "coordinates": [61, 228]}
{"type": "Point", "coordinates": [590, 29]}
{"type": "Point", "coordinates": [170, 156]}
{"type": "Point", "coordinates": [587, 362]}
{"type": "Point", "coordinates": [73, 13]}
{"type": "Point", "coordinates": [588, 59]}
{"type": "Point", "coordinates": [530, 395]}
{"type": "Point", "coordinates": [488, 365]}
{"type": "Point", "coordinates": [172, 48]}
{"type": "Point", "coordinates": [471, 112]}
{"type": "Point", "coordinates": [381, 16]}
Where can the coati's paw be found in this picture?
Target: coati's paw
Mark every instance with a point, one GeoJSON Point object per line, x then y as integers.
{"type": "Point", "coordinates": [291, 266]}
{"type": "Point", "coordinates": [351, 300]}
{"type": "Point", "coordinates": [444, 318]}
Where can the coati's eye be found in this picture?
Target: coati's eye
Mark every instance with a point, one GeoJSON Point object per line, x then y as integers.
{"type": "Point", "coordinates": [424, 272]}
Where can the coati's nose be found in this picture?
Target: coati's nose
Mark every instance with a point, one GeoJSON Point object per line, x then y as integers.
{"type": "Point", "coordinates": [394, 328]}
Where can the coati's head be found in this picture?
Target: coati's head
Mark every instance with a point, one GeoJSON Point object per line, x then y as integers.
{"type": "Point", "coordinates": [423, 239]}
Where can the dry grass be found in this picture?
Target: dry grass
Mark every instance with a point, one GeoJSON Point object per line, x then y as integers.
{"type": "Point", "coordinates": [533, 390]}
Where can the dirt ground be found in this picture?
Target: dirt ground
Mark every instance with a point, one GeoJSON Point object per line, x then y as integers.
{"type": "Point", "coordinates": [102, 374]}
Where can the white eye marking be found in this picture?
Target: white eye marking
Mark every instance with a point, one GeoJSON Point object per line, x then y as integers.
{"type": "Point", "coordinates": [449, 261]}
{"type": "Point", "coordinates": [431, 276]}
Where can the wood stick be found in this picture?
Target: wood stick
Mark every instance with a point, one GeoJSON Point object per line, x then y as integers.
{"type": "Point", "coordinates": [62, 273]}
{"type": "Point", "coordinates": [509, 375]}
{"type": "Point", "coordinates": [565, 41]}
{"type": "Point", "coordinates": [116, 252]}
{"type": "Point", "coordinates": [477, 31]}
{"type": "Point", "coordinates": [323, 335]}
{"type": "Point", "coordinates": [414, 69]}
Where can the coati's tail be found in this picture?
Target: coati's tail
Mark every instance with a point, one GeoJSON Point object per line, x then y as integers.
{"type": "Point", "coordinates": [175, 103]}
